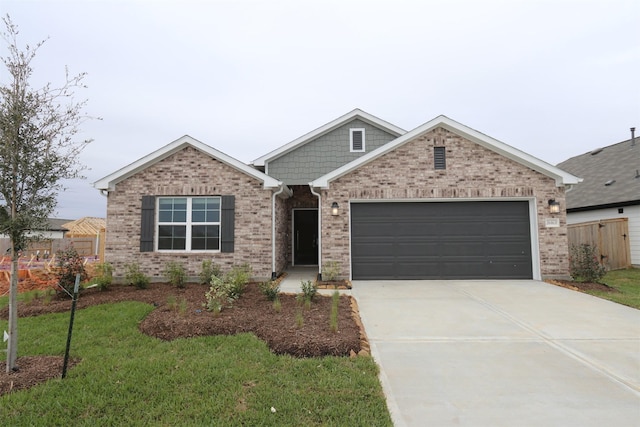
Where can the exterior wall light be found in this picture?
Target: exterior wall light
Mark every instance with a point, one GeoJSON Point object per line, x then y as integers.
{"type": "Point", "coordinates": [334, 208]}
{"type": "Point", "coordinates": [554, 207]}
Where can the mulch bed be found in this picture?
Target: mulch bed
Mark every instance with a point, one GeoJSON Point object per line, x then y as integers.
{"type": "Point", "coordinates": [179, 313]}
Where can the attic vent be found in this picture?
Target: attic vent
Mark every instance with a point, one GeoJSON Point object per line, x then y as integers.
{"type": "Point", "coordinates": [596, 151]}
{"type": "Point", "coordinates": [439, 158]}
{"type": "Point", "coordinates": [357, 140]}
{"type": "Point", "coordinates": [610, 182]}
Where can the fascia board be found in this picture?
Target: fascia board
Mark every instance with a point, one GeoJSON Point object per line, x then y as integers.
{"type": "Point", "coordinates": [375, 121]}
{"type": "Point", "coordinates": [109, 181]}
{"type": "Point", "coordinates": [561, 177]}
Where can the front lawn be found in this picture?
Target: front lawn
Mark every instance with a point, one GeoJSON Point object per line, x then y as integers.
{"type": "Point", "coordinates": [128, 378]}
{"type": "Point", "coordinates": [626, 282]}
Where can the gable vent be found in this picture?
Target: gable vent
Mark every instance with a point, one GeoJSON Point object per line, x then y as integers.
{"type": "Point", "coordinates": [357, 139]}
{"type": "Point", "coordinates": [439, 158]}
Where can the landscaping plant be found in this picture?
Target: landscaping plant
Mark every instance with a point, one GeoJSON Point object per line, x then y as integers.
{"type": "Point", "coordinates": [270, 289]}
{"type": "Point", "coordinates": [330, 270]}
{"type": "Point", "coordinates": [584, 265]}
{"type": "Point", "coordinates": [69, 264]}
{"type": "Point", "coordinates": [176, 274]}
{"type": "Point", "coordinates": [225, 290]}
{"type": "Point", "coordinates": [208, 271]}
{"type": "Point", "coordinates": [104, 275]}
{"type": "Point", "coordinates": [309, 289]}
{"type": "Point", "coordinates": [333, 317]}
{"type": "Point", "coordinates": [135, 277]}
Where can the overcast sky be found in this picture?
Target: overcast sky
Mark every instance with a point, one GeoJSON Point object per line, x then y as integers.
{"type": "Point", "coordinates": [553, 78]}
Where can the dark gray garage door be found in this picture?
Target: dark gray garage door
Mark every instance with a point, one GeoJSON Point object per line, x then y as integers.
{"type": "Point", "coordinates": [441, 240]}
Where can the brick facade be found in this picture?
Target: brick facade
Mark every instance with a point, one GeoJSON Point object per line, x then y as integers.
{"type": "Point", "coordinates": [472, 172]}
{"type": "Point", "coordinates": [190, 172]}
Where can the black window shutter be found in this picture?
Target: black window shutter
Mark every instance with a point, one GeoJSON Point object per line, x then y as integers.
{"type": "Point", "coordinates": [439, 158]}
{"type": "Point", "coordinates": [227, 223]}
{"type": "Point", "coordinates": [147, 223]}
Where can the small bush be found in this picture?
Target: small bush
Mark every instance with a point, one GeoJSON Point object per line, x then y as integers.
{"type": "Point", "coordinates": [208, 271]}
{"type": "Point", "coordinates": [224, 291]}
{"type": "Point", "coordinates": [309, 289]}
{"type": "Point", "coordinates": [277, 305]}
{"type": "Point", "coordinates": [104, 275]}
{"type": "Point", "coordinates": [175, 274]}
{"type": "Point", "coordinates": [270, 289]}
{"type": "Point", "coordinates": [135, 277]}
{"type": "Point", "coordinates": [584, 265]}
{"type": "Point", "coordinates": [330, 270]}
{"type": "Point", "coordinates": [69, 265]}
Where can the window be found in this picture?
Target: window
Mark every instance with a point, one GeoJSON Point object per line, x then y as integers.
{"type": "Point", "coordinates": [188, 223]}
{"type": "Point", "coordinates": [357, 139]}
{"type": "Point", "coordinates": [439, 158]}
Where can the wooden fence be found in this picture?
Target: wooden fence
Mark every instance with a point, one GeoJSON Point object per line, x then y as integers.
{"type": "Point", "coordinates": [610, 237]}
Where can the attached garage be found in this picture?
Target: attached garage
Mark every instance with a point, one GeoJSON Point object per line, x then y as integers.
{"type": "Point", "coordinates": [441, 240]}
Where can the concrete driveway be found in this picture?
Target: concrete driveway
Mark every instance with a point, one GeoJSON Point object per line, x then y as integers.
{"type": "Point", "coordinates": [502, 353]}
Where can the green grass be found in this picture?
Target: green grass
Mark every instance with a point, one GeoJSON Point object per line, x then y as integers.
{"type": "Point", "coordinates": [127, 378]}
{"type": "Point", "coordinates": [627, 282]}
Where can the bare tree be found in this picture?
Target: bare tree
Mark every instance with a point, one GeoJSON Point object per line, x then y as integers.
{"type": "Point", "coordinates": [38, 149]}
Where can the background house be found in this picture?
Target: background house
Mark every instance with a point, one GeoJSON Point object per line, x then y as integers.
{"type": "Point", "coordinates": [604, 209]}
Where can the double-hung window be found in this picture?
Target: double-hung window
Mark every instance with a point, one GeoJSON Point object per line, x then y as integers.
{"type": "Point", "coordinates": [188, 223]}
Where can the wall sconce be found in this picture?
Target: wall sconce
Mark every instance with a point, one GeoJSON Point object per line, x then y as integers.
{"type": "Point", "coordinates": [334, 208]}
{"type": "Point", "coordinates": [554, 207]}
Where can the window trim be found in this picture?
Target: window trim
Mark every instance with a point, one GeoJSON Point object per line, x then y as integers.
{"type": "Point", "coordinates": [188, 225]}
{"type": "Point", "coordinates": [351, 132]}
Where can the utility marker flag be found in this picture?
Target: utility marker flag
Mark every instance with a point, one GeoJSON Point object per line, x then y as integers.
{"type": "Point", "coordinates": [6, 336]}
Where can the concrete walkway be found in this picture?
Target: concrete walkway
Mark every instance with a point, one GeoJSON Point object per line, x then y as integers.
{"type": "Point", "coordinates": [502, 353]}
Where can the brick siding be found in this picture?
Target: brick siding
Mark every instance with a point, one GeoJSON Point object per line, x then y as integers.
{"type": "Point", "coordinates": [190, 172]}
{"type": "Point", "coordinates": [472, 172]}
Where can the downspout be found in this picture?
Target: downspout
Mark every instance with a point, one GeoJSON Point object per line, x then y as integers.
{"type": "Point", "coordinates": [319, 231]}
{"type": "Point", "coordinates": [274, 274]}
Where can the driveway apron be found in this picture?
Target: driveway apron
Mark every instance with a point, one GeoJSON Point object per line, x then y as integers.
{"type": "Point", "coordinates": [502, 353]}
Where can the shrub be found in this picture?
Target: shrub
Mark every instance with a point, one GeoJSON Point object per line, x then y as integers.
{"type": "Point", "coordinates": [104, 275]}
{"type": "Point", "coordinates": [225, 290]}
{"type": "Point", "coordinates": [584, 265]}
{"type": "Point", "coordinates": [277, 305]}
{"type": "Point", "coordinates": [135, 277]}
{"type": "Point", "coordinates": [330, 270]}
{"type": "Point", "coordinates": [175, 274]}
{"type": "Point", "coordinates": [208, 271]}
{"type": "Point", "coordinates": [270, 289]}
{"type": "Point", "coordinates": [69, 265]}
{"type": "Point", "coordinates": [309, 289]}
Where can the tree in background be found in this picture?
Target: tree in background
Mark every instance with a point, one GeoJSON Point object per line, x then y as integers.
{"type": "Point", "coordinates": [38, 149]}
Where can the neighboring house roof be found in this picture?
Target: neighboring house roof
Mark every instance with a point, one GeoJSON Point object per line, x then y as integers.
{"type": "Point", "coordinates": [109, 181]}
{"type": "Point", "coordinates": [611, 176]}
{"type": "Point", "coordinates": [55, 224]}
{"type": "Point", "coordinates": [561, 177]}
{"type": "Point", "coordinates": [355, 114]}
{"type": "Point", "coordinates": [87, 226]}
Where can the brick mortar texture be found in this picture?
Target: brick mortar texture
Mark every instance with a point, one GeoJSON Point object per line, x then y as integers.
{"type": "Point", "coordinates": [472, 172]}
{"type": "Point", "coordinates": [189, 172]}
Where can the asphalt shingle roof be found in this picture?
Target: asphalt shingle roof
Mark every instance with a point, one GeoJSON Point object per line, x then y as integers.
{"type": "Point", "coordinates": [618, 164]}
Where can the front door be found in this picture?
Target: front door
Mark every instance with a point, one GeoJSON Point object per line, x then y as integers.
{"type": "Point", "coordinates": [305, 237]}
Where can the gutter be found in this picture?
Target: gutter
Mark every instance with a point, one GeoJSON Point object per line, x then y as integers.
{"type": "Point", "coordinates": [319, 230]}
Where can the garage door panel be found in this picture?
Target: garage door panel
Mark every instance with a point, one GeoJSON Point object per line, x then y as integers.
{"type": "Point", "coordinates": [441, 240]}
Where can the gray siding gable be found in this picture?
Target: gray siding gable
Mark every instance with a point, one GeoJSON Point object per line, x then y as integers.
{"type": "Point", "coordinates": [325, 153]}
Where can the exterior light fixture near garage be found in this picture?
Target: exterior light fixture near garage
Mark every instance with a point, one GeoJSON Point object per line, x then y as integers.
{"type": "Point", "coordinates": [554, 207]}
{"type": "Point", "coordinates": [334, 209]}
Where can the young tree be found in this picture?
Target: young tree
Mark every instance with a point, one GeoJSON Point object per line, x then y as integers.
{"type": "Point", "coordinates": [38, 149]}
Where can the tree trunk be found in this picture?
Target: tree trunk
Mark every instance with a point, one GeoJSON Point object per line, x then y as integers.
{"type": "Point", "coordinates": [12, 349]}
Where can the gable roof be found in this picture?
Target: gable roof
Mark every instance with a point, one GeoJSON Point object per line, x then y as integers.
{"type": "Point", "coordinates": [617, 164]}
{"type": "Point", "coordinates": [86, 226]}
{"type": "Point", "coordinates": [109, 181]}
{"type": "Point", "coordinates": [561, 177]}
{"type": "Point", "coordinates": [355, 114]}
